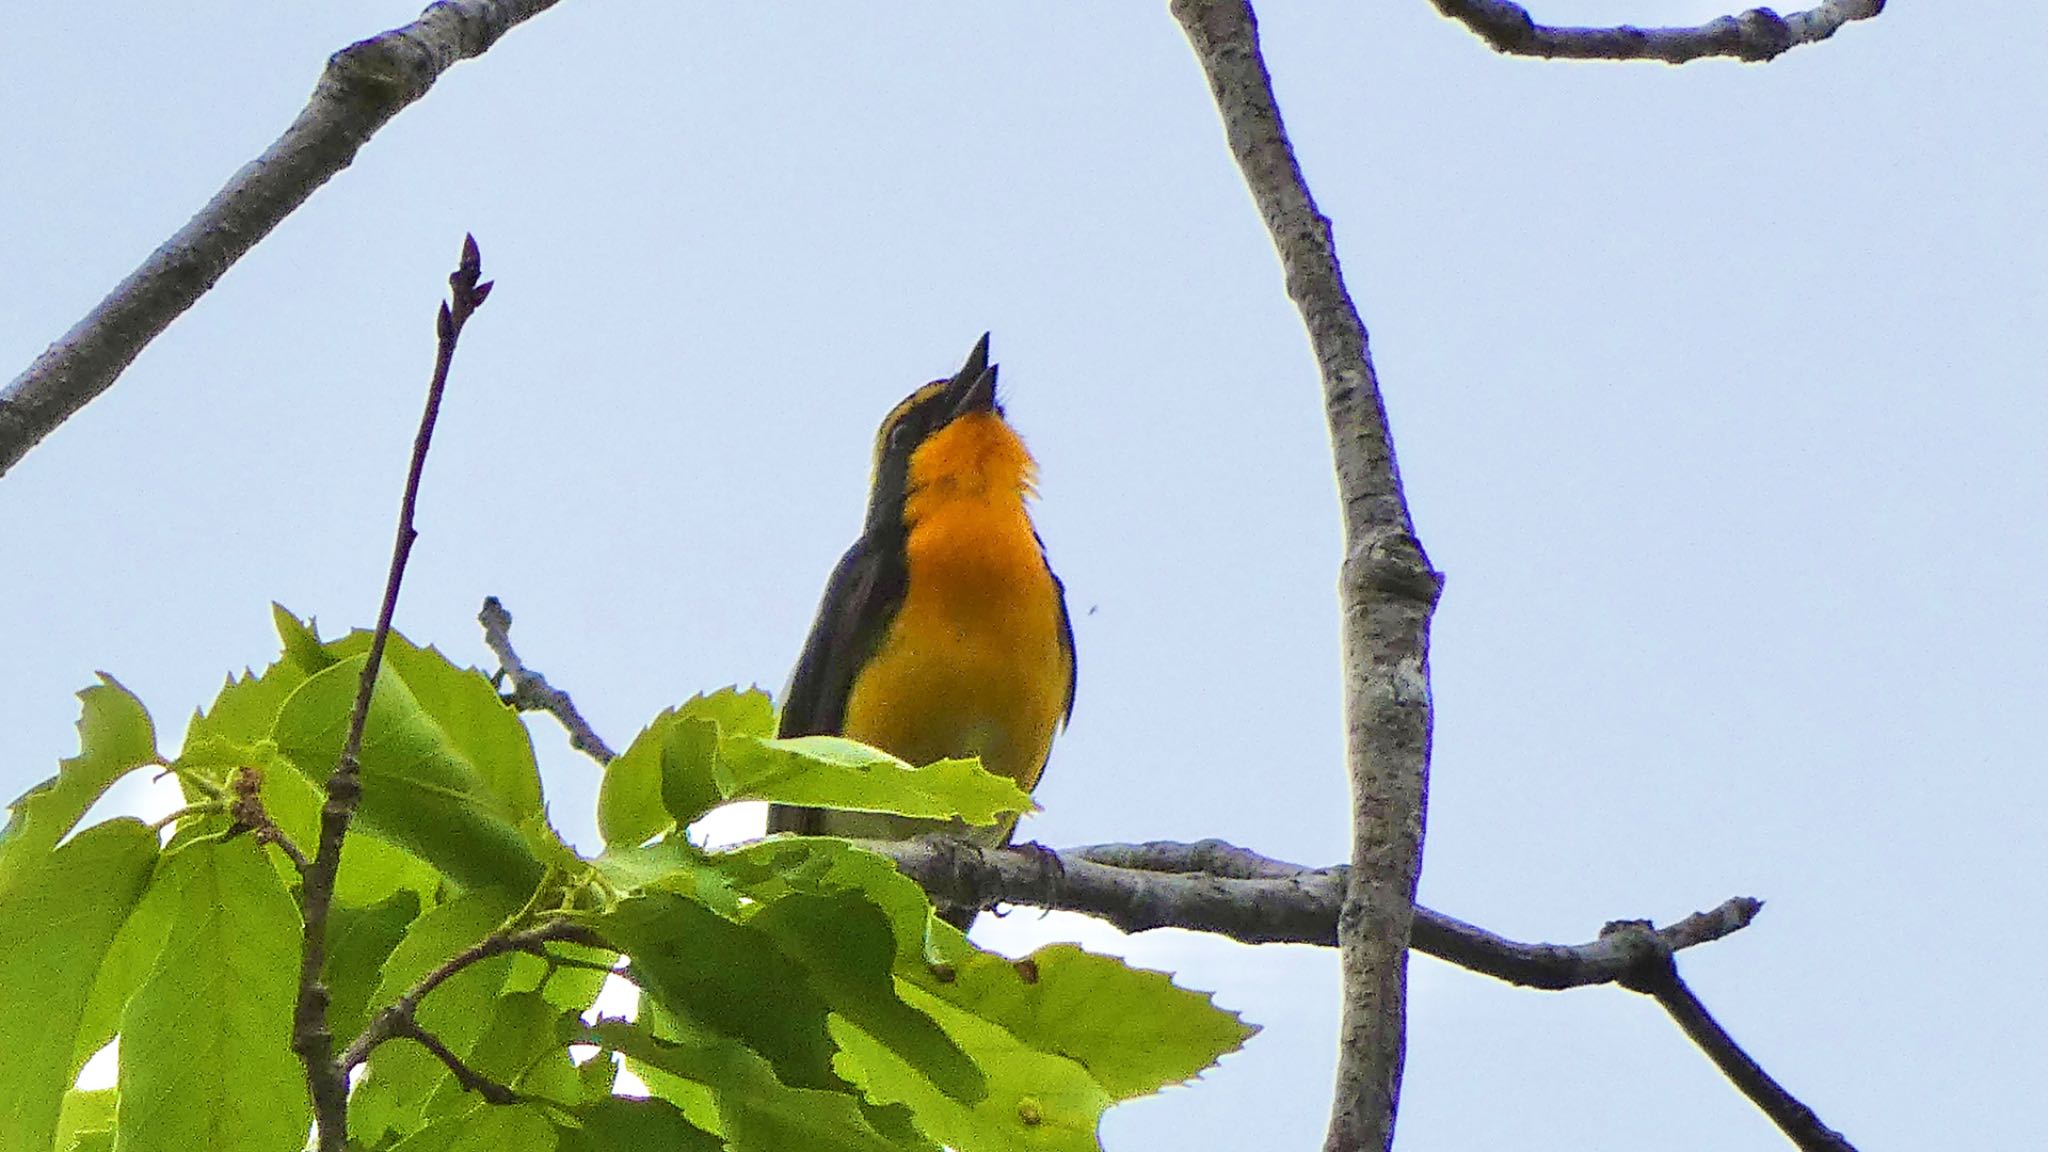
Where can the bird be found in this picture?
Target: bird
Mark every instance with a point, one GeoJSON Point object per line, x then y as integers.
{"type": "Point", "coordinates": [943, 632]}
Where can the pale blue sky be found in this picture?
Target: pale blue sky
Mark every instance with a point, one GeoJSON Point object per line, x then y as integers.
{"type": "Point", "coordinates": [1719, 393]}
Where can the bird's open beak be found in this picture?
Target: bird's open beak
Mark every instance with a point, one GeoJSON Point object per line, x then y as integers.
{"type": "Point", "coordinates": [973, 388]}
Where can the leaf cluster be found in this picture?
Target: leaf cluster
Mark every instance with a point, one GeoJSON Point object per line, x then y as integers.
{"type": "Point", "coordinates": [793, 992]}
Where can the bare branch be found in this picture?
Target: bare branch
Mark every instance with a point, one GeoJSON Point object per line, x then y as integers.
{"type": "Point", "coordinates": [1657, 977]}
{"type": "Point", "coordinates": [1386, 590]}
{"type": "Point", "coordinates": [531, 691]}
{"type": "Point", "coordinates": [326, 1080]}
{"type": "Point", "coordinates": [1219, 888]}
{"type": "Point", "coordinates": [1284, 904]}
{"type": "Point", "coordinates": [364, 85]}
{"type": "Point", "coordinates": [1756, 35]}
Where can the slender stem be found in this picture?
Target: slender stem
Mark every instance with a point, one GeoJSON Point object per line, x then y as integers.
{"type": "Point", "coordinates": [326, 1080]}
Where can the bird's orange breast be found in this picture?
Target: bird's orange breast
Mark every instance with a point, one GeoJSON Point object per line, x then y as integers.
{"type": "Point", "coordinates": [975, 662]}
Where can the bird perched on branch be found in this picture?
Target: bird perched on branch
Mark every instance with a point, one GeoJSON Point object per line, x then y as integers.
{"type": "Point", "coordinates": [943, 632]}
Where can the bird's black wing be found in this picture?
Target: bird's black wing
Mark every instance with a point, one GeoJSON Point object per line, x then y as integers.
{"type": "Point", "coordinates": [860, 603]}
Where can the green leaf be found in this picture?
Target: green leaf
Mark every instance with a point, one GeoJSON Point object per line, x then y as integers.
{"type": "Point", "coordinates": [617, 1124]}
{"type": "Point", "coordinates": [57, 920]}
{"type": "Point", "coordinates": [84, 1112]}
{"type": "Point", "coordinates": [359, 940]}
{"type": "Point", "coordinates": [1036, 1100]}
{"type": "Point", "coordinates": [486, 1128]}
{"type": "Point", "coordinates": [729, 977]}
{"type": "Point", "coordinates": [667, 775]}
{"type": "Point", "coordinates": [846, 947]}
{"type": "Point", "coordinates": [671, 864]}
{"type": "Point", "coordinates": [419, 789]}
{"type": "Point", "coordinates": [757, 1112]}
{"type": "Point", "coordinates": [114, 738]}
{"type": "Point", "coordinates": [302, 646]}
{"type": "Point", "coordinates": [485, 731]}
{"type": "Point", "coordinates": [769, 869]}
{"type": "Point", "coordinates": [1133, 1030]}
{"type": "Point", "coordinates": [206, 1056]}
{"type": "Point", "coordinates": [834, 772]}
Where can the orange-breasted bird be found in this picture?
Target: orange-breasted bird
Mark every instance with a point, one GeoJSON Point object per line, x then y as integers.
{"type": "Point", "coordinates": [943, 632]}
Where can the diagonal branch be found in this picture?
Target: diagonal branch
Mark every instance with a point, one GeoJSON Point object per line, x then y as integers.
{"type": "Point", "coordinates": [1657, 977]}
{"type": "Point", "coordinates": [326, 1079]}
{"type": "Point", "coordinates": [363, 86]}
{"type": "Point", "coordinates": [1219, 888]}
{"type": "Point", "coordinates": [1386, 589]}
{"type": "Point", "coordinates": [1756, 35]}
{"type": "Point", "coordinates": [531, 691]}
{"type": "Point", "coordinates": [1165, 885]}
{"type": "Point", "coordinates": [399, 1018]}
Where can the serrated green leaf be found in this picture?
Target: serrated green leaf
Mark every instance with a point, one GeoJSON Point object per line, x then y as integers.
{"type": "Point", "coordinates": [115, 737]}
{"type": "Point", "coordinates": [757, 1111]}
{"type": "Point", "coordinates": [485, 731]}
{"type": "Point", "coordinates": [85, 1112]}
{"type": "Point", "coordinates": [302, 646]}
{"type": "Point", "coordinates": [1036, 1100]}
{"type": "Point", "coordinates": [206, 1057]}
{"type": "Point", "coordinates": [667, 773]}
{"type": "Point", "coordinates": [419, 790]}
{"type": "Point", "coordinates": [846, 947]}
{"type": "Point", "coordinates": [1134, 1030]}
{"type": "Point", "coordinates": [57, 920]}
{"type": "Point", "coordinates": [727, 977]}
{"type": "Point", "coordinates": [486, 1128]}
{"type": "Point", "coordinates": [617, 1124]}
{"type": "Point", "coordinates": [834, 772]}
{"type": "Point", "coordinates": [359, 941]}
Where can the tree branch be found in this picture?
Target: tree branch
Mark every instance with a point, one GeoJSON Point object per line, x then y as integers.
{"type": "Point", "coordinates": [1219, 888]}
{"type": "Point", "coordinates": [364, 85]}
{"type": "Point", "coordinates": [1755, 36]}
{"type": "Point", "coordinates": [326, 1080]}
{"type": "Point", "coordinates": [1165, 885]}
{"type": "Point", "coordinates": [531, 691]}
{"type": "Point", "coordinates": [1386, 590]}
{"type": "Point", "coordinates": [1657, 977]}
{"type": "Point", "coordinates": [399, 1018]}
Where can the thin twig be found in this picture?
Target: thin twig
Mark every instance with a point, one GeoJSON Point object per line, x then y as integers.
{"type": "Point", "coordinates": [392, 1020]}
{"type": "Point", "coordinates": [364, 86]}
{"type": "Point", "coordinates": [1386, 590]}
{"type": "Point", "coordinates": [1755, 36]}
{"type": "Point", "coordinates": [1657, 977]}
{"type": "Point", "coordinates": [470, 1079]}
{"type": "Point", "coordinates": [326, 1080]}
{"type": "Point", "coordinates": [531, 691]}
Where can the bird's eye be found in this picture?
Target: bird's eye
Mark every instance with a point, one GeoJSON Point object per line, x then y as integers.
{"type": "Point", "coordinates": [899, 435]}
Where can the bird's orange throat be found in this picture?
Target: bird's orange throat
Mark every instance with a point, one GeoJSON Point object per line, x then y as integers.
{"type": "Point", "coordinates": [965, 505]}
